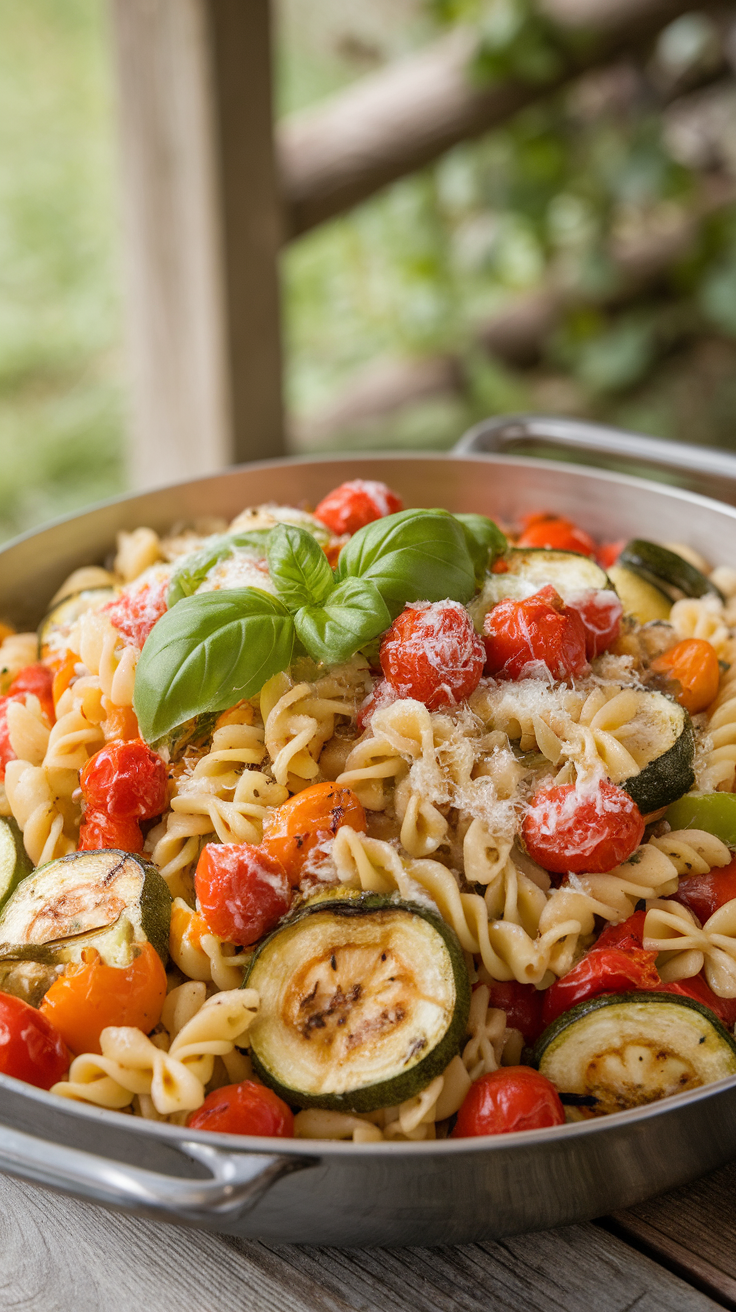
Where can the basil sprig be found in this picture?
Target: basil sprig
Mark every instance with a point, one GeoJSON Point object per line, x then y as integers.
{"type": "Point", "coordinates": [213, 649]}
{"type": "Point", "coordinates": [484, 541]}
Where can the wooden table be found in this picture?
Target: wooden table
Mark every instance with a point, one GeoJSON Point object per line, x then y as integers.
{"type": "Point", "coordinates": [675, 1254]}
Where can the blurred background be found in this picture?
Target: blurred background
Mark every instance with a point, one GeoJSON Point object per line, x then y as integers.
{"type": "Point", "coordinates": [578, 258]}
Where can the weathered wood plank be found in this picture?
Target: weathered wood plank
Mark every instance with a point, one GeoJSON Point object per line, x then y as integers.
{"type": "Point", "coordinates": [59, 1254]}
{"type": "Point", "coordinates": [202, 230]}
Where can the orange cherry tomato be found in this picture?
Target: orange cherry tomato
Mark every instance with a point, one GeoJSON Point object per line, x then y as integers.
{"type": "Point", "coordinates": [90, 996]}
{"type": "Point", "coordinates": [293, 830]}
{"type": "Point", "coordinates": [694, 665]}
{"type": "Point", "coordinates": [512, 1098]}
{"type": "Point", "coordinates": [245, 1108]}
{"type": "Point", "coordinates": [64, 674]}
{"type": "Point", "coordinates": [557, 533]}
{"type": "Point", "coordinates": [121, 724]}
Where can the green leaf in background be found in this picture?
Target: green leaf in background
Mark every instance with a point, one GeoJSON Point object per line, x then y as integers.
{"type": "Point", "coordinates": [484, 541]}
{"type": "Point", "coordinates": [192, 570]}
{"type": "Point", "coordinates": [298, 566]}
{"type": "Point", "coordinates": [416, 555]}
{"type": "Point", "coordinates": [208, 653]}
{"type": "Point", "coordinates": [353, 614]}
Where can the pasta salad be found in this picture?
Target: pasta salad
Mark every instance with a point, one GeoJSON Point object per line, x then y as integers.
{"type": "Point", "coordinates": [371, 824]}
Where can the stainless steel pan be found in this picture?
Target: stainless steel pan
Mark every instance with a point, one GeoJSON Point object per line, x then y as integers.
{"type": "Point", "coordinates": [429, 1193]}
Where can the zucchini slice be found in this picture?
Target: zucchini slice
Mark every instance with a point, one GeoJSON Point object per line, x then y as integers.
{"type": "Point", "coordinates": [640, 599]}
{"type": "Point", "coordinates": [364, 1000]}
{"type": "Point", "coordinates": [58, 623]}
{"type": "Point", "coordinates": [624, 1050]}
{"type": "Point", "coordinates": [665, 570]}
{"type": "Point", "coordinates": [662, 741]}
{"type": "Point", "coordinates": [113, 901]}
{"type": "Point", "coordinates": [15, 863]}
{"type": "Point", "coordinates": [533, 568]}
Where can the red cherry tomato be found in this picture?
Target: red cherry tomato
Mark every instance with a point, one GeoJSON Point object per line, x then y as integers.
{"type": "Point", "coordinates": [698, 988]}
{"type": "Point", "coordinates": [37, 679]}
{"type": "Point", "coordinates": [126, 780]}
{"type": "Point", "coordinates": [582, 832]}
{"type": "Point", "coordinates": [382, 695]}
{"type": "Point", "coordinates": [31, 1048]}
{"type": "Point", "coordinates": [601, 611]}
{"type": "Point", "coordinates": [509, 1099]}
{"type": "Point", "coordinates": [292, 831]}
{"type": "Point", "coordinates": [609, 553]}
{"type": "Point", "coordinates": [537, 634]}
{"type": "Point", "coordinates": [602, 970]}
{"type": "Point", "coordinates": [6, 750]}
{"type": "Point", "coordinates": [433, 654]}
{"type": "Point", "coordinates": [242, 891]}
{"type": "Point", "coordinates": [704, 894]}
{"type": "Point", "coordinates": [523, 1006]}
{"type": "Point", "coordinates": [557, 533]}
{"type": "Point", "coordinates": [628, 934]}
{"type": "Point", "coordinates": [137, 609]}
{"type": "Point", "coordinates": [99, 831]}
{"type": "Point", "coordinates": [246, 1108]}
{"type": "Point", "coordinates": [353, 505]}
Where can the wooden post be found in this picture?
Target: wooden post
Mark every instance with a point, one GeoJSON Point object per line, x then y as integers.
{"type": "Point", "coordinates": [202, 231]}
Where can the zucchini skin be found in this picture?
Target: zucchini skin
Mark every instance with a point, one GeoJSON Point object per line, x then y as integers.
{"type": "Point", "coordinates": [391, 1092]}
{"type": "Point", "coordinates": [582, 1009]}
{"type": "Point", "coordinates": [665, 779]}
{"type": "Point", "coordinates": [665, 570]}
{"type": "Point", "coordinates": [23, 864]}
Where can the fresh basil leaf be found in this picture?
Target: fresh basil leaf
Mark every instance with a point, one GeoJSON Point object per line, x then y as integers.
{"type": "Point", "coordinates": [354, 613]}
{"type": "Point", "coordinates": [208, 653]}
{"type": "Point", "coordinates": [415, 555]}
{"type": "Point", "coordinates": [298, 566]}
{"type": "Point", "coordinates": [192, 570]}
{"type": "Point", "coordinates": [484, 541]}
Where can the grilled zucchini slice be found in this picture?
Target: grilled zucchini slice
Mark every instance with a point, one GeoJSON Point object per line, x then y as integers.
{"type": "Point", "coordinates": [662, 741]}
{"type": "Point", "coordinates": [113, 901]}
{"type": "Point", "coordinates": [58, 623]}
{"type": "Point", "coordinates": [364, 1000]}
{"type": "Point", "coordinates": [665, 570]}
{"type": "Point", "coordinates": [15, 863]}
{"type": "Point", "coordinates": [533, 568]}
{"type": "Point", "coordinates": [640, 599]}
{"type": "Point", "coordinates": [624, 1050]}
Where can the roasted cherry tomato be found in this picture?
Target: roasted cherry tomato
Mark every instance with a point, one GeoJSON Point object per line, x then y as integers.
{"type": "Point", "coordinates": [698, 988]}
{"type": "Point", "coordinates": [6, 750]}
{"type": "Point", "coordinates": [608, 554]}
{"type": "Point", "coordinates": [242, 891]}
{"type": "Point", "coordinates": [433, 654]}
{"type": "Point", "coordinates": [312, 817]}
{"type": "Point", "coordinates": [90, 996]}
{"type": "Point", "coordinates": [693, 664]}
{"type": "Point", "coordinates": [537, 634]}
{"type": "Point", "coordinates": [353, 505]}
{"type": "Point", "coordinates": [39, 680]}
{"type": "Point", "coordinates": [138, 608]}
{"type": "Point", "coordinates": [126, 780]}
{"type": "Point", "coordinates": [509, 1099]}
{"type": "Point", "coordinates": [98, 831]}
{"type": "Point", "coordinates": [627, 934]}
{"type": "Point", "coordinates": [558, 533]}
{"type": "Point", "coordinates": [601, 611]}
{"type": "Point", "coordinates": [31, 1048]}
{"type": "Point", "coordinates": [523, 1006]}
{"type": "Point", "coordinates": [246, 1108]}
{"type": "Point", "coordinates": [582, 832]}
{"type": "Point", "coordinates": [704, 894]}
{"type": "Point", "coordinates": [601, 970]}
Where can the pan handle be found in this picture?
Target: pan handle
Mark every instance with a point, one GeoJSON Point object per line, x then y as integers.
{"type": "Point", "coordinates": [699, 468]}
{"type": "Point", "coordinates": [238, 1180]}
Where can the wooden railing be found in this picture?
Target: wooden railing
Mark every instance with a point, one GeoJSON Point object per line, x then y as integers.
{"type": "Point", "coordinates": [210, 193]}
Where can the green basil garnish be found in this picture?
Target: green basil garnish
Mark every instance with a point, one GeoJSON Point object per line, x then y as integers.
{"type": "Point", "coordinates": [484, 541]}
{"type": "Point", "coordinates": [192, 570]}
{"type": "Point", "coordinates": [207, 653]}
{"type": "Point", "coordinates": [299, 569]}
{"type": "Point", "coordinates": [415, 555]}
{"type": "Point", "coordinates": [354, 613]}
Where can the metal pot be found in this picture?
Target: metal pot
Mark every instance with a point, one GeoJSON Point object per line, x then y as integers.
{"type": "Point", "coordinates": [430, 1193]}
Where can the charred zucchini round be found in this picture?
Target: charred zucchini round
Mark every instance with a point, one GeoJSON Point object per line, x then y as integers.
{"type": "Point", "coordinates": [364, 1000]}
{"type": "Point", "coordinates": [624, 1050]}
{"type": "Point", "coordinates": [665, 570]}
{"type": "Point", "coordinates": [662, 740]}
{"type": "Point", "coordinates": [640, 598]}
{"type": "Point", "coordinates": [533, 568]}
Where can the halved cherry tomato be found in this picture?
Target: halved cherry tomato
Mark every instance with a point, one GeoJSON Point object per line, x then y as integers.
{"type": "Point", "coordinates": [601, 970]}
{"type": "Point", "coordinates": [523, 1006]}
{"type": "Point", "coordinates": [137, 609]}
{"type": "Point", "coordinates": [126, 780]}
{"type": "Point", "coordinates": [433, 654]}
{"type": "Point", "coordinates": [37, 679]}
{"type": "Point", "coordinates": [312, 817]}
{"type": "Point", "coordinates": [509, 1099]}
{"type": "Point", "coordinates": [537, 633]}
{"type": "Point", "coordinates": [242, 891]}
{"type": "Point", "coordinates": [601, 611]}
{"type": "Point", "coordinates": [693, 664]}
{"type": "Point", "coordinates": [557, 533]}
{"type": "Point", "coordinates": [353, 505]}
{"type": "Point", "coordinates": [245, 1108]}
{"type": "Point", "coordinates": [31, 1048]}
{"type": "Point", "coordinates": [99, 831]}
{"type": "Point", "coordinates": [704, 894]}
{"type": "Point", "coordinates": [582, 832]}
{"type": "Point", "coordinates": [90, 996]}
